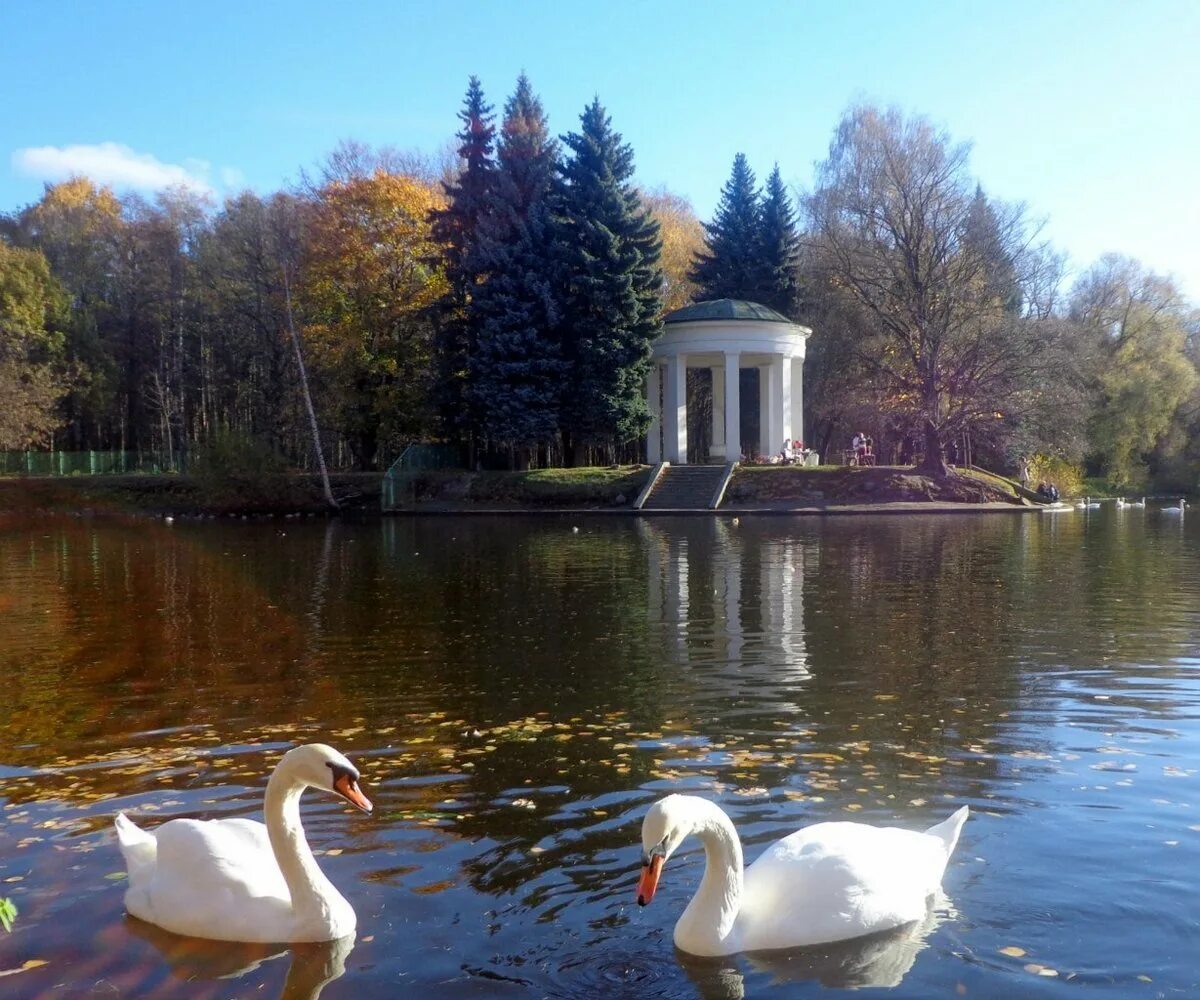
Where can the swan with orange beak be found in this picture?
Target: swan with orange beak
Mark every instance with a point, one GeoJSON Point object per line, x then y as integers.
{"type": "Point", "coordinates": [827, 882]}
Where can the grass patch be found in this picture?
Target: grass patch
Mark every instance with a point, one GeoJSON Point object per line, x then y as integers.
{"type": "Point", "coordinates": [838, 484]}
{"type": "Point", "coordinates": [587, 486]}
{"type": "Point", "coordinates": [1000, 483]}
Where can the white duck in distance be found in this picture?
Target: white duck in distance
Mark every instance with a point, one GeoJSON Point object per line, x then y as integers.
{"type": "Point", "coordinates": [824, 883]}
{"type": "Point", "coordinates": [236, 879]}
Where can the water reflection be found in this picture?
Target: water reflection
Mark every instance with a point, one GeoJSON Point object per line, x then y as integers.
{"type": "Point", "coordinates": [714, 594]}
{"type": "Point", "coordinates": [517, 694]}
{"type": "Point", "coordinates": [879, 961]}
{"type": "Point", "coordinates": [311, 966]}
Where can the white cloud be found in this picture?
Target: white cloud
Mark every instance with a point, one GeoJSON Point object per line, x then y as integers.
{"type": "Point", "coordinates": [111, 163]}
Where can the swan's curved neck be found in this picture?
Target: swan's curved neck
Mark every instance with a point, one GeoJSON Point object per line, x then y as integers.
{"type": "Point", "coordinates": [307, 884]}
{"type": "Point", "coordinates": [713, 911]}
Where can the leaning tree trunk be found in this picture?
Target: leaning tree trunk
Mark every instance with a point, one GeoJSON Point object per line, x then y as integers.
{"type": "Point", "coordinates": [934, 462]}
{"type": "Point", "coordinates": [308, 403]}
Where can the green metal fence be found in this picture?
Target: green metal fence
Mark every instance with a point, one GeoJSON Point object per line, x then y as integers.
{"type": "Point", "coordinates": [416, 458]}
{"type": "Point", "coordinates": [84, 463]}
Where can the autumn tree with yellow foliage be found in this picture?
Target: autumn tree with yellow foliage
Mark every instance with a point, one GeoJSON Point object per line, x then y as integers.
{"type": "Point", "coordinates": [369, 278]}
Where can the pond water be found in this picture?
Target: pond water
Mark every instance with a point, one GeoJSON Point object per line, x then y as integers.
{"type": "Point", "coordinates": [517, 691]}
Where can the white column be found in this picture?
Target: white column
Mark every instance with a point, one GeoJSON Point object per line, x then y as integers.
{"type": "Point", "coordinates": [733, 406]}
{"type": "Point", "coordinates": [798, 400]}
{"type": "Point", "coordinates": [781, 401]}
{"type": "Point", "coordinates": [675, 410]}
{"type": "Point", "coordinates": [654, 402]}
{"type": "Point", "coordinates": [767, 445]}
{"type": "Point", "coordinates": [718, 412]}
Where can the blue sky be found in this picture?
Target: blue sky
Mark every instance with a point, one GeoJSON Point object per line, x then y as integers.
{"type": "Point", "coordinates": [1087, 111]}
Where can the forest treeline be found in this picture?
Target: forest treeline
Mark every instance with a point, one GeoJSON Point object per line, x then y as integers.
{"type": "Point", "coordinates": [505, 294]}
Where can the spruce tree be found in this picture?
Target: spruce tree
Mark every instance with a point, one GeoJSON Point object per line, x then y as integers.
{"type": "Point", "coordinates": [779, 245]}
{"type": "Point", "coordinates": [517, 369]}
{"type": "Point", "coordinates": [609, 247]}
{"type": "Point", "coordinates": [456, 226]}
{"type": "Point", "coordinates": [728, 268]}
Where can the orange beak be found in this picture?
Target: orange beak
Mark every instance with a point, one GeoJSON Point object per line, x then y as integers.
{"type": "Point", "coordinates": [348, 789]}
{"type": "Point", "coordinates": [649, 880]}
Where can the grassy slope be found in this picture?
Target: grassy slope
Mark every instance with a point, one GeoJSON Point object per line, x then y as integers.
{"type": "Point", "coordinates": [591, 486]}
{"type": "Point", "coordinates": [778, 485]}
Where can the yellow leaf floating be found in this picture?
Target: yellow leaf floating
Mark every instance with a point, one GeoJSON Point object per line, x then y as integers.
{"type": "Point", "coordinates": [33, 963]}
{"type": "Point", "coordinates": [1012, 951]}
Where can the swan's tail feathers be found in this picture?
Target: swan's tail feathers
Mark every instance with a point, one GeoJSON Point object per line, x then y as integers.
{"type": "Point", "coordinates": [947, 830]}
{"type": "Point", "coordinates": [139, 847]}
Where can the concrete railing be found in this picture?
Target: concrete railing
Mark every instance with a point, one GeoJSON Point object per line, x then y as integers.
{"type": "Point", "coordinates": [722, 486]}
{"type": "Point", "coordinates": [650, 484]}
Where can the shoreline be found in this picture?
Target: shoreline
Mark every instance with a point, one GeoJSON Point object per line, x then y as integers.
{"type": "Point", "coordinates": [755, 491]}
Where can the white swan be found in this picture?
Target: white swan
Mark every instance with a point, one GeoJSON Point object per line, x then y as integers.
{"type": "Point", "coordinates": [1121, 503]}
{"type": "Point", "coordinates": [1137, 503]}
{"type": "Point", "coordinates": [236, 879]}
{"type": "Point", "coordinates": [1082, 504]}
{"type": "Point", "coordinates": [1177, 509]}
{"type": "Point", "coordinates": [824, 883]}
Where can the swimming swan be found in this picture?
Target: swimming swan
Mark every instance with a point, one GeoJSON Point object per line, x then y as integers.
{"type": "Point", "coordinates": [1177, 509]}
{"type": "Point", "coordinates": [824, 883]}
{"type": "Point", "coordinates": [236, 879]}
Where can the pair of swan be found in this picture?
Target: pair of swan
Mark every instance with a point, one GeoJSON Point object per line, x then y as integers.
{"type": "Point", "coordinates": [238, 880]}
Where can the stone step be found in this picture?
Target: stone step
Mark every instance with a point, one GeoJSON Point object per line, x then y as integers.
{"type": "Point", "coordinates": [685, 487]}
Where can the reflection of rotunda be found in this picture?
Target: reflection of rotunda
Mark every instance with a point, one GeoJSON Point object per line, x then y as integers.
{"type": "Point", "coordinates": [726, 336]}
{"type": "Point", "coordinates": [720, 599]}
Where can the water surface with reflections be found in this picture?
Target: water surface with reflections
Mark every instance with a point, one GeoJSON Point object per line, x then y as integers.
{"type": "Point", "coordinates": [517, 692]}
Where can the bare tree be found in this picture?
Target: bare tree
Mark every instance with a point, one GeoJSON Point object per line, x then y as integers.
{"type": "Point", "coordinates": [944, 276]}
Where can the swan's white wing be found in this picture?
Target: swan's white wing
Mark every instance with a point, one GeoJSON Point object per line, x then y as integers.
{"type": "Point", "coordinates": [834, 881]}
{"type": "Point", "coordinates": [215, 879]}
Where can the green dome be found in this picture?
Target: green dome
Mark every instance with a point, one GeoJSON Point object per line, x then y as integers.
{"type": "Point", "coordinates": [725, 310]}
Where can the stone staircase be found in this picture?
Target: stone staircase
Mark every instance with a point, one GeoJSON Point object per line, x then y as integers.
{"type": "Point", "coordinates": [685, 487]}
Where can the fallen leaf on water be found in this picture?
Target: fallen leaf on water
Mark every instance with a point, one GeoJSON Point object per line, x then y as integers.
{"type": "Point", "coordinates": [1012, 951]}
{"type": "Point", "coordinates": [33, 963]}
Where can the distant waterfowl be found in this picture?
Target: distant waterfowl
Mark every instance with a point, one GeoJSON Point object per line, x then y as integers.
{"type": "Point", "coordinates": [236, 879]}
{"type": "Point", "coordinates": [1121, 503]}
{"type": "Point", "coordinates": [1139, 503]}
{"type": "Point", "coordinates": [1177, 508]}
{"type": "Point", "coordinates": [824, 883]}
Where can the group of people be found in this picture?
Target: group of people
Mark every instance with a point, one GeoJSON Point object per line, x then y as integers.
{"type": "Point", "coordinates": [792, 452]}
{"type": "Point", "coordinates": [863, 446]}
{"type": "Point", "coordinates": [1048, 491]}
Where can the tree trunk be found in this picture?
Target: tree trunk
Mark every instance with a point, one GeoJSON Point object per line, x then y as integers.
{"type": "Point", "coordinates": [934, 462]}
{"type": "Point", "coordinates": [308, 403]}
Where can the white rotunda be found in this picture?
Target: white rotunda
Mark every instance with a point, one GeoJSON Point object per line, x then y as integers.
{"type": "Point", "coordinates": [726, 336]}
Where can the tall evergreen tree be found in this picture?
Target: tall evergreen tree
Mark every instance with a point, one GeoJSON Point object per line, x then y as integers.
{"type": "Point", "coordinates": [728, 268]}
{"type": "Point", "coordinates": [517, 369]}
{"type": "Point", "coordinates": [779, 246]}
{"type": "Point", "coordinates": [469, 199]}
{"type": "Point", "coordinates": [610, 248]}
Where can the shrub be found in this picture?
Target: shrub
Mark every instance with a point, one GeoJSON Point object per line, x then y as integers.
{"type": "Point", "coordinates": [1067, 476]}
{"type": "Point", "coordinates": [238, 470]}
